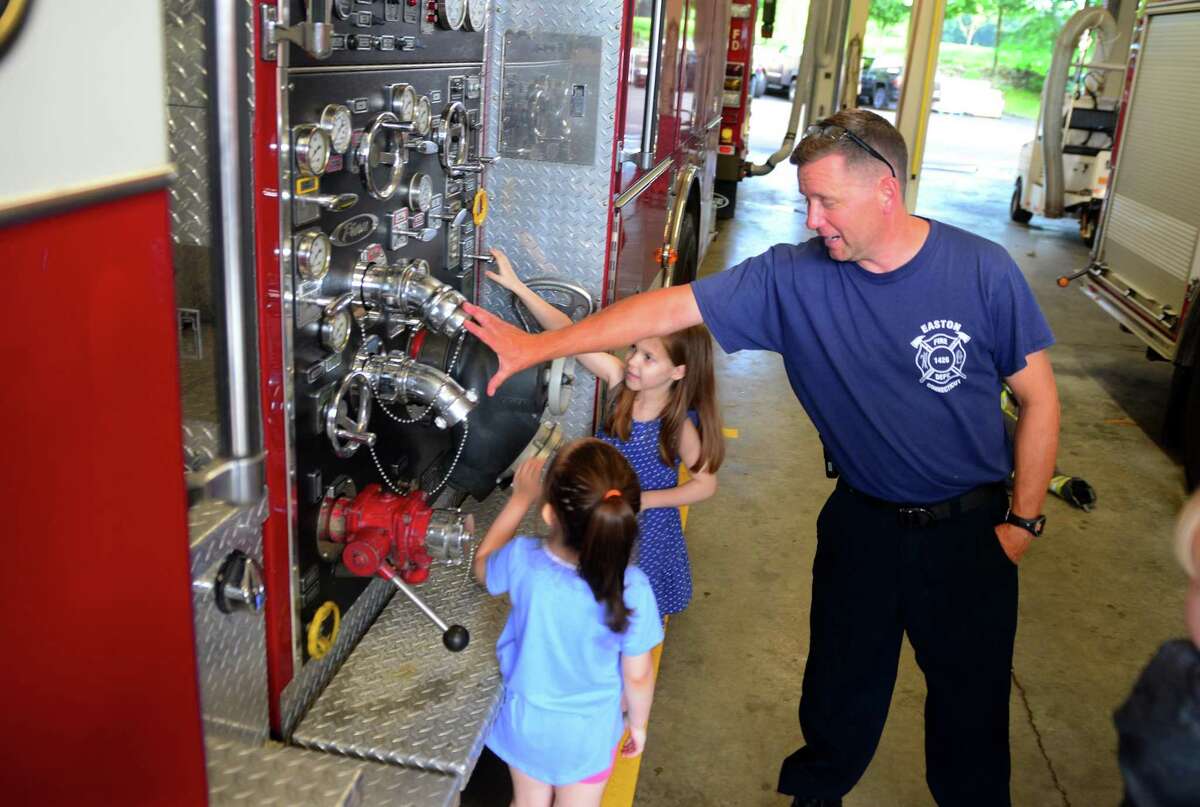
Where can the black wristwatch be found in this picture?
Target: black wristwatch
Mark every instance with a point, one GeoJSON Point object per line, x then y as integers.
{"type": "Point", "coordinates": [1033, 525]}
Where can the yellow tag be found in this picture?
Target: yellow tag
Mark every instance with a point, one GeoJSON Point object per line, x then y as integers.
{"type": "Point", "coordinates": [307, 185]}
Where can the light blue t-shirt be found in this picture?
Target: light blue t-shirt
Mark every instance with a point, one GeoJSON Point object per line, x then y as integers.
{"type": "Point", "coordinates": [561, 715]}
{"type": "Point", "coordinates": [900, 371]}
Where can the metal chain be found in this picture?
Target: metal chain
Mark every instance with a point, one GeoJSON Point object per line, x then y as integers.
{"type": "Point", "coordinates": [466, 424]}
{"type": "Point", "coordinates": [384, 476]}
{"type": "Point", "coordinates": [384, 408]}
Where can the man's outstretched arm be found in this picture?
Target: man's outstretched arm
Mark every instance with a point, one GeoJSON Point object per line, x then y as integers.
{"type": "Point", "coordinates": [654, 313]}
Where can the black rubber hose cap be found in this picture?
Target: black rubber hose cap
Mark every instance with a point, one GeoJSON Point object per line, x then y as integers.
{"type": "Point", "coordinates": [456, 638]}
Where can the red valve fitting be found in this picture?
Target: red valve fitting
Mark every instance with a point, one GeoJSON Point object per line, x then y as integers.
{"type": "Point", "coordinates": [382, 529]}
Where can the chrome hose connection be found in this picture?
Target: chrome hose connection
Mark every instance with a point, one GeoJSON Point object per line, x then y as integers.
{"type": "Point", "coordinates": [398, 378]}
{"type": "Point", "coordinates": [438, 304]}
{"type": "Point", "coordinates": [413, 292]}
{"type": "Point", "coordinates": [449, 534]}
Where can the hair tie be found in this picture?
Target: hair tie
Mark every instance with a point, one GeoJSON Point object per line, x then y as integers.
{"type": "Point", "coordinates": [612, 494]}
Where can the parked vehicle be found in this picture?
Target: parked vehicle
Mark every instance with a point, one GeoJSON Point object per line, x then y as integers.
{"type": "Point", "coordinates": [879, 85]}
{"type": "Point", "coordinates": [779, 68]}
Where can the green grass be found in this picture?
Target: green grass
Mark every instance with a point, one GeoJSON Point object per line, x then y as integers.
{"type": "Point", "coordinates": [1022, 103]}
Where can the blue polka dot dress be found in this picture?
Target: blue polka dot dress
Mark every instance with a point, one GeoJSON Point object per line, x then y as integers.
{"type": "Point", "coordinates": [661, 551]}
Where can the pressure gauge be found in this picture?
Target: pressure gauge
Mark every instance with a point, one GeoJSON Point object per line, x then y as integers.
{"type": "Point", "coordinates": [402, 100]}
{"type": "Point", "coordinates": [311, 144]}
{"type": "Point", "coordinates": [420, 192]}
{"type": "Point", "coordinates": [451, 13]}
{"type": "Point", "coordinates": [422, 116]}
{"type": "Point", "coordinates": [335, 120]}
{"type": "Point", "coordinates": [335, 330]}
{"type": "Point", "coordinates": [313, 250]}
{"type": "Point", "coordinates": [476, 15]}
{"type": "Point", "coordinates": [342, 8]}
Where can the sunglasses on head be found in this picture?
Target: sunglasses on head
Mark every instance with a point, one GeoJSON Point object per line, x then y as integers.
{"type": "Point", "coordinates": [835, 133]}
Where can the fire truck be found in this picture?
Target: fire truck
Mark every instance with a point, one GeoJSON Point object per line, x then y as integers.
{"type": "Point", "coordinates": [1144, 269]}
{"type": "Point", "coordinates": [736, 97]}
{"type": "Point", "coordinates": [244, 412]}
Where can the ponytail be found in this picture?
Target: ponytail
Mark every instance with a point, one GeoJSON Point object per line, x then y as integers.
{"type": "Point", "coordinates": [595, 497]}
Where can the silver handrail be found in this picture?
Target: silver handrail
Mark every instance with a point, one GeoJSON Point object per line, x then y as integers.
{"type": "Point", "coordinates": [650, 113]}
{"type": "Point", "coordinates": [237, 476]}
{"type": "Point", "coordinates": [644, 181]}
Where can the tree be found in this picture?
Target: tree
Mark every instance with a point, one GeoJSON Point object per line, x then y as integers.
{"type": "Point", "coordinates": [887, 13]}
{"type": "Point", "coordinates": [1004, 8]}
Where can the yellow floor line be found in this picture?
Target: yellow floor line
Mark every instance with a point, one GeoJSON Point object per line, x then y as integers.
{"type": "Point", "coordinates": [622, 785]}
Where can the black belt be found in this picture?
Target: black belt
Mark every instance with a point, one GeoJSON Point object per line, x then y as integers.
{"type": "Point", "coordinates": [910, 516]}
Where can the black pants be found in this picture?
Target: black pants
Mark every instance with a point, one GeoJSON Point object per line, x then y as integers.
{"type": "Point", "coordinates": [952, 589]}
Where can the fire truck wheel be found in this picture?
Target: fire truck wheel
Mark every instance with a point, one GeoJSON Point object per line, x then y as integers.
{"type": "Point", "coordinates": [725, 197]}
{"type": "Point", "coordinates": [1191, 433]}
{"type": "Point", "coordinates": [685, 267]}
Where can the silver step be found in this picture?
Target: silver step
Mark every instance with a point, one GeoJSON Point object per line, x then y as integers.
{"type": "Point", "coordinates": [402, 698]}
{"type": "Point", "coordinates": [274, 775]}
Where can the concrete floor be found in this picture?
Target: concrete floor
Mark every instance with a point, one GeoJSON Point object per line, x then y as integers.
{"type": "Point", "coordinates": [1099, 591]}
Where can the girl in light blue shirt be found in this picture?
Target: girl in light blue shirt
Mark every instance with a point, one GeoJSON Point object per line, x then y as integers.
{"type": "Point", "coordinates": [575, 652]}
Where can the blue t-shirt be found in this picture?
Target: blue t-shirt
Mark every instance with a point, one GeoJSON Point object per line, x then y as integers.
{"type": "Point", "coordinates": [561, 715]}
{"type": "Point", "coordinates": [901, 371]}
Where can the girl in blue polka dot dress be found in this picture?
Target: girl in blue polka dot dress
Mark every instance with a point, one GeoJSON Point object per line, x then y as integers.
{"type": "Point", "coordinates": [663, 410]}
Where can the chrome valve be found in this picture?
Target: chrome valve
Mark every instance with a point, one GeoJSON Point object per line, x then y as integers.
{"type": "Point", "coordinates": [398, 378]}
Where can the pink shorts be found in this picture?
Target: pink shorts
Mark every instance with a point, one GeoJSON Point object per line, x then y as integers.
{"type": "Point", "coordinates": [596, 779]}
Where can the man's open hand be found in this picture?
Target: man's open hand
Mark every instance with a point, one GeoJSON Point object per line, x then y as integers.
{"type": "Point", "coordinates": [513, 346]}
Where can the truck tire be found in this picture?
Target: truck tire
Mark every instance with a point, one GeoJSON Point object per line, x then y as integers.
{"type": "Point", "coordinates": [1191, 433]}
{"type": "Point", "coordinates": [725, 198]}
{"type": "Point", "coordinates": [689, 251]}
{"type": "Point", "coordinates": [1018, 214]}
{"type": "Point", "coordinates": [880, 99]}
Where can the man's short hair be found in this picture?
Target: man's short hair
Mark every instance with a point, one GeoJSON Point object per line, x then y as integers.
{"type": "Point", "coordinates": [873, 129]}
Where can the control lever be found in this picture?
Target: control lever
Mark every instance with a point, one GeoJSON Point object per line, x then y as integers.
{"type": "Point", "coordinates": [456, 220]}
{"type": "Point", "coordinates": [332, 201]}
{"type": "Point", "coordinates": [423, 146]}
{"type": "Point", "coordinates": [423, 234]}
{"type": "Point", "coordinates": [484, 258]}
{"type": "Point", "coordinates": [454, 637]}
{"type": "Point", "coordinates": [314, 36]}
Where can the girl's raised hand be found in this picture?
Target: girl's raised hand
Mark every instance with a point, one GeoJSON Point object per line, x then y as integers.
{"type": "Point", "coordinates": [527, 483]}
{"type": "Point", "coordinates": [504, 274]}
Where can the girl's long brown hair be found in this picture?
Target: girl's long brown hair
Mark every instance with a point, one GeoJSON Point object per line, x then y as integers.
{"type": "Point", "coordinates": [696, 390]}
{"type": "Point", "coordinates": [595, 496]}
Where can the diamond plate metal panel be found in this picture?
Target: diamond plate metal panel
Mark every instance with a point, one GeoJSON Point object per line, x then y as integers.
{"type": "Point", "coordinates": [572, 242]}
{"type": "Point", "coordinates": [187, 138]}
{"type": "Point", "coordinates": [183, 30]}
{"type": "Point", "coordinates": [200, 443]}
{"type": "Point", "coordinates": [311, 681]}
{"type": "Point", "coordinates": [230, 648]}
{"type": "Point", "coordinates": [402, 698]}
{"type": "Point", "coordinates": [275, 775]}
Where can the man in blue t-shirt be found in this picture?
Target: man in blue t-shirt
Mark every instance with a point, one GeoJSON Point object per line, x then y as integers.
{"type": "Point", "coordinates": [896, 333]}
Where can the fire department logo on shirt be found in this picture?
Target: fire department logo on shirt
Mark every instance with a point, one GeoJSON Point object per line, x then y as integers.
{"type": "Point", "coordinates": [941, 354]}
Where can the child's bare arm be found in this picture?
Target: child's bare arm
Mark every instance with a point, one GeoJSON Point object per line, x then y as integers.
{"type": "Point", "coordinates": [526, 485]}
{"type": "Point", "coordinates": [638, 675]}
{"type": "Point", "coordinates": [702, 484]}
{"type": "Point", "coordinates": [605, 366]}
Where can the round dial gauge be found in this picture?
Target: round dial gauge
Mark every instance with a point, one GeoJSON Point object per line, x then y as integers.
{"type": "Point", "coordinates": [403, 99]}
{"type": "Point", "coordinates": [335, 330]}
{"type": "Point", "coordinates": [420, 192]}
{"type": "Point", "coordinates": [335, 120]}
{"type": "Point", "coordinates": [342, 8]}
{"type": "Point", "coordinates": [313, 250]}
{"type": "Point", "coordinates": [451, 13]}
{"type": "Point", "coordinates": [476, 15]}
{"type": "Point", "coordinates": [422, 116]}
{"type": "Point", "coordinates": [312, 150]}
